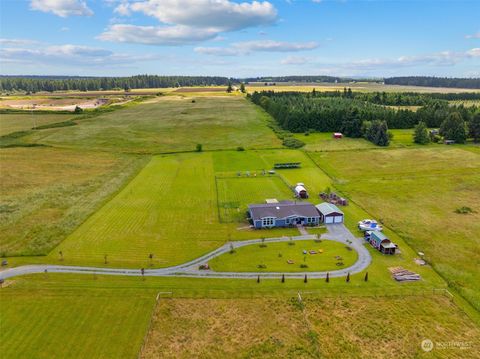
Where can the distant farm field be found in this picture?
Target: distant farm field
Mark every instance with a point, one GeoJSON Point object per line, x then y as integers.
{"type": "Point", "coordinates": [22, 122]}
{"type": "Point", "coordinates": [45, 193]}
{"type": "Point", "coordinates": [280, 328]}
{"type": "Point", "coordinates": [169, 124]}
{"type": "Point", "coordinates": [416, 192]}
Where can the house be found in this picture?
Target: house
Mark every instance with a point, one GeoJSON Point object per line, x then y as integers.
{"type": "Point", "coordinates": [337, 135]}
{"type": "Point", "coordinates": [329, 213]}
{"type": "Point", "coordinates": [283, 214]}
{"type": "Point", "coordinates": [300, 191]}
{"type": "Point", "coordinates": [381, 242]}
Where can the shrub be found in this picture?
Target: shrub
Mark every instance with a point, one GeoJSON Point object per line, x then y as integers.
{"type": "Point", "coordinates": [261, 266]}
{"type": "Point", "coordinates": [303, 265]}
{"type": "Point", "coordinates": [240, 148]}
{"type": "Point", "coordinates": [199, 148]}
{"type": "Point", "coordinates": [464, 210]}
{"type": "Point", "coordinates": [292, 142]}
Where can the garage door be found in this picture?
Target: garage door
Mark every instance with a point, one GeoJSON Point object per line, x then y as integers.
{"type": "Point", "coordinates": [338, 219]}
{"type": "Point", "coordinates": [328, 220]}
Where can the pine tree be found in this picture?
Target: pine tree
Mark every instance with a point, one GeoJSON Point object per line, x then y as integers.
{"type": "Point", "coordinates": [366, 277]}
{"type": "Point", "coordinates": [229, 87]}
{"type": "Point", "coordinates": [454, 128]}
{"type": "Point", "coordinates": [420, 135]}
{"type": "Point", "coordinates": [474, 127]}
{"type": "Point", "coordinates": [348, 277]}
{"type": "Point", "coordinates": [283, 278]}
{"type": "Point", "coordinates": [305, 280]}
{"type": "Point", "coordinates": [242, 88]}
{"type": "Point", "coordinates": [327, 278]}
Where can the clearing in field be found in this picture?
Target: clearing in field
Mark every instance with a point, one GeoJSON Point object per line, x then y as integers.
{"type": "Point", "coordinates": [286, 257]}
{"type": "Point", "coordinates": [22, 122]}
{"type": "Point", "coordinates": [169, 124]}
{"type": "Point", "coordinates": [45, 193]}
{"type": "Point", "coordinates": [73, 322]}
{"type": "Point", "coordinates": [416, 192]}
{"type": "Point", "coordinates": [279, 328]}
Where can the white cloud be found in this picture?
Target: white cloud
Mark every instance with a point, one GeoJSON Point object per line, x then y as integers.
{"type": "Point", "coordinates": [62, 8]}
{"type": "Point", "coordinates": [188, 21]}
{"type": "Point", "coordinates": [247, 47]}
{"type": "Point", "coordinates": [156, 35]}
{"type": "Point", "coordinates": [72, 55]}
{"type": "Point", "coordinates": [222, 15]}
{"type": "Point", "coordinates": [474, 52]}
{"type": "Point", "coordinates": [473, 36]}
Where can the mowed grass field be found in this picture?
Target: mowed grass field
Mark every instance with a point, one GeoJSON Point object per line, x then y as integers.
{"type": "Point", "coordinates": [169, 124]}
{"type": "Point", "coordinates": [168, 210]}
{"type": "Point", "coordinates": [321, 328]}
{"type": "Point", "coordinates": [39, 322]}
{"type": "Point", "coordinates": [45, 193]}
{"type": "Point", "coordinates": [275, 256]}
{"type": "Point", "coordinates": [416, 192]}
{"type": "Point", "coordinates": [22, 122]}
{"type": "Point", "coordinates": [236, 193]}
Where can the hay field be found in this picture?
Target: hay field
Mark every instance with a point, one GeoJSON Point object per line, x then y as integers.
{"type": "Point", "coordinates": [169, 124]}
{"type": "Point", "coordinates": [416, 192]}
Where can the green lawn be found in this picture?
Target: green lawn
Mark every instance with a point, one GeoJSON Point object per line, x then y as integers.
{"type": "Point", "coordinates": [275, 256]}
{"type": "Point", "coordinates": [73, 322]}
{"type": "Point", "coordinates": [169, 124]}
{"type": "Point", "coordinates": [21, 122]}
{"type": "Point", "coordinates": [236, 193]}
{"type": "Point", "coordinates": [416, 192]}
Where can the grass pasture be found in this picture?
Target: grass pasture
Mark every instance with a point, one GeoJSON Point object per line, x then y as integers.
{"type": "Point", "coordinates": [22, 122]}
{"type": "Point", "coordinates": [73, 322]}
{"type": "Point", "coordinates": [323, 141]}
{"type": "Point", "coordinates": [274, 257]}
{"type": "Point", "coordinates": [168, 124]}
{"type": "Point", "coordinates": [280, 328]}
{"type": "Point", "coordinates": [46, 192]}
{"type": "Point", "coordinates": [416, 192]}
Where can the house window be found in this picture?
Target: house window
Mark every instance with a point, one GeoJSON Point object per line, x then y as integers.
{"type": "Point", "coordinates": [267, 222]}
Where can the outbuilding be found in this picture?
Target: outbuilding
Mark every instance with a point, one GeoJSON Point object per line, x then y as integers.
{"type": "Point", "coordinates": [329, 213]}
{"type": "Point", "coordinates": [337, 135]}
{"type": "Point", "coordinates": [381, 242]}
{"type": "Point", "coordinates": [300, 191]}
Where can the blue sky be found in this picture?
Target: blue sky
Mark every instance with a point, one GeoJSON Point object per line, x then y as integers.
{"type": "Point", "coordinates": [240, 38]}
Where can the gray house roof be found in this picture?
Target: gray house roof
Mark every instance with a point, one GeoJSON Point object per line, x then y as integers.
{"type": "Point", "coordinates": [282, 210]}
{"type": "Point", "coordinates": [328, 208]}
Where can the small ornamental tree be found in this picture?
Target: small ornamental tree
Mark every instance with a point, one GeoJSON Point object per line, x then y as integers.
{"type": "Point", "coordinates": [258, 279]}
{"type": "Point", "coordinates": [366, 277]}
{"type": "Point", "coordinates": [305, 280]}
{"type": "Point", "coordinates": [327, 278]}
{"type": "Point", "coordinates": [283, 278]}
{"type": "Point", "coordinates": [420, 135]}
{"type": "Point", "coordinates": [348, 277]}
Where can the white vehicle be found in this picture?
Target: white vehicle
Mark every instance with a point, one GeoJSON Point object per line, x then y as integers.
{"type": "Point", "coordinates": [369, 225]}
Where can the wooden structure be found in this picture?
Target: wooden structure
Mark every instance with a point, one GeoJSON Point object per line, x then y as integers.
{"type": "Point", "coordinates": [287, 165]}
{"type": "Point", "coordinates": [333, 198]}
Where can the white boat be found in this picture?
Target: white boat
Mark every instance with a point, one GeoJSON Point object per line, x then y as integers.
{"type": "Point", "coordinates": [369, 225]}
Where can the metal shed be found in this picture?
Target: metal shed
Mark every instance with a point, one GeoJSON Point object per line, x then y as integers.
{"type": "Point", "coordinates": [329, 213]}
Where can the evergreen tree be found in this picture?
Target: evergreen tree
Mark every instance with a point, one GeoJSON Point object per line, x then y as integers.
{"type": "Point", "coordinates": [229, 87]}
{"type": "Point", "coordinates": [474, 127]}
{"type": "Point", "coordinates": [420, 135]}
{"type": "Point", "coordinates": [454, 128]}
{"type": "Point", "coordinates": [242, 88]}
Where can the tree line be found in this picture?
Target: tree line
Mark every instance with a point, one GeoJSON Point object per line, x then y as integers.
{"type": "Point", "coordinates": [354, 114]}
{"type": "Point", "coordinates": [430, 81]}
{"type": "Point", "coordinates": [57, 83]}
